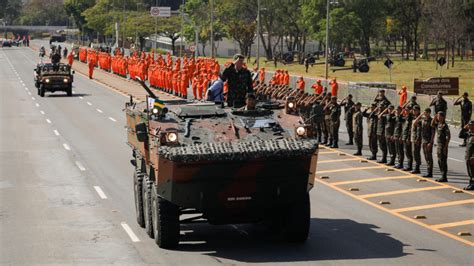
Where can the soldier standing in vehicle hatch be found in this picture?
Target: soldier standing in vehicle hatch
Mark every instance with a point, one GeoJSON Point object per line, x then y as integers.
{"type": "Point", "coordinates": [443, 136]}
{"type": "Point", "coordinates": [357, 127]}
{"type": "Point", "coordinates": [239, 80]}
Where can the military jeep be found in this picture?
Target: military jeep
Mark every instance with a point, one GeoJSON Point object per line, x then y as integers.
{"type": "Point", "coordinates": [53, 77]}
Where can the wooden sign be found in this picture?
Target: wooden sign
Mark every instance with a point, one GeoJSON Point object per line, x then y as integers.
{"type": "Point", "coordinates": [447, 86]}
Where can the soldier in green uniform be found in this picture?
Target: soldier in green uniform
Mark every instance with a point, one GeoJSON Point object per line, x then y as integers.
{"type": "Point", "coordinates": [389, 117]}
{"type": "Point", "coordinates": [470, 154]}
{"type": "Point", "coordinates": [416, 139]}
{"type": "Point", "coordinates": [327, 119]}
{"type": "Point", "coordinates": [239, 80]}
{"type": "Point", "coordinates": [443, 136]}
{"type": "Point", "coordinates": [372, 130]}
{"type": "Point", "coordinates": [427, 138]}
{"type": "Point", "coordinates": [335, 121]}
{"type": "Point", "coordinates": [439, 103]}
{"type": "Point", "coordinates": [397, 137]}
{"type": "Point", "coordinates": [412, 103]}
{"type": "Point", "coordinates": [380, 131]}
{"type": "Point", "coordinates": [381, 99]}
{"type": "Point", "coordinates": [357, 127]}
{"type": "Point", "coordinates": [348, 112]}
{"type": "Point", "coordinates": [466, 112]}
{"type": "Point", "coordinates": [406, 135]}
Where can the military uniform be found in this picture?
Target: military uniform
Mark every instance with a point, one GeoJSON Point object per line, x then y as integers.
{"type": "Point", "coordinates": [389, 131]}
{"type": "Point", "coordinates": [382, 101]}
{"type": "Point", "coordinates": [357, 127]}
{"type": "Point", "coordinates": [416, 145]}
{"type": "Point", "coordinates": [440, 105]}
{"type": "Point", "coordinates": [397, 134]}
{"type": "Point", "coordinates": [382, 143]}
{"type": "Point", "coordinates": [348, 113]}
{"type": "Point", "coordinates": [239, 83]}
{"type": "Point", "coordinates": [442, 135]}
{"type": "Point", "coordinates": [372, 133]}
{"type": "Point", "coordinates": [316, 118]}
{"type": "Point", "coordinates": [427, 132]}
{"type": "Point", "coordinates": [466, 113]}
{"type": "Point", "coordinates": [407, 142]}
{"type": "Point", "coordinates": [469, 158]}
{"type": "Point", "coordinates": [335, 122]}
{"type": "Point", "coordinates": [327, 126]}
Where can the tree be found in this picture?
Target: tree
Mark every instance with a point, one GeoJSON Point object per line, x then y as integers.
{"type": "Point", "coordinates": [170, 28]}
{"type": "Point", "coordinates": [408, 14]}
{"type": "Point", "coordinates": [10, 10]}
{"type": "Point", "coordinates": [343, 28]}
{"type": "Point", "coordinates": [75, 8]}
{"type": "Point", "coordinates": [44, 12]}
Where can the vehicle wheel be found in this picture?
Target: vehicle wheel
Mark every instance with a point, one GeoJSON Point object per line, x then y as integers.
{"type": "Point", "coordinates": [42, 90]}
{"type": "Point", "coordinates": [37, 84]}
{"type": "Point", "coordinates": [364, 68]}
{"type": "Point", "coordinates": [165, 221]}
{"type": "Point", "coordinates": [146, 196]}
{"type": "Point", "coordinates": [137, 187]}
{"type": "Point", "coordinates": [69, 91]}
{"type": "Point", "coordinates": [297, 220]}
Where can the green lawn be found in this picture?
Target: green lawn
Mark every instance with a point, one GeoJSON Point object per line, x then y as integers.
{"type": "Point", "coordinates": [403, 72]}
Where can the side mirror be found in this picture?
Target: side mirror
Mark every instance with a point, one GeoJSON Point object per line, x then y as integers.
{"type": "Point", "coordinates": [141, 131]}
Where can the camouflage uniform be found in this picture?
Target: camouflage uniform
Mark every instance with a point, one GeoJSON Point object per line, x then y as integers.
{"type": "Point", "coordinates": [382, 143]}
{"type": "Point", "coordinates": [335, 122]}
{"type": "Point", "coordinates": [239, 83]}
{"type": "Point", "coordinates": [427, 135]}
{"type": "Point", "coordinates": [397, 134]}
{"type": "Point", "coordinates": [407, 143]}
{"type": "Point", "coordinates": [357, 127]}
{"type": "Point", "coordinates": [316, 118]}
{"type": "Point", "coordinates": [372, 133]}
{"type": "Point", "coordinates": [327, 127]}
{"type": "Point", "coordinates": [389, 130]}
{"type": "Point", "coordinates": [348, 113]}
{"type": "Point", "coordinates": [442, 133]}
{"type": "Point", "coordinates": [416, 145]}
{"type": "Point", "coordinates": [469, 155]}
{"type": "Point", "coordinates": [440, 105]}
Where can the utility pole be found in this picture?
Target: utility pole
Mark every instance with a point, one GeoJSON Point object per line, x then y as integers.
{"type": "Point", "coordinates": [156, 29]}
{"type": "Point", "coordinates": [196, 42]}
{"type": "Point", "coordinates": [326, 53]}
{"type": "Point", "coordinates": [258, 34]}
{"type": "Point", "coordinates": [181, 31]}
{"type": "Point", "coordinates": [212, 28]}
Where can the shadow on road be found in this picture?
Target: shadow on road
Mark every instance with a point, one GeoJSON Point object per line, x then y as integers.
{"type": "Point", "coordinates": [64, 95]}
{"type": "Point", "coordinates": [330, 239]}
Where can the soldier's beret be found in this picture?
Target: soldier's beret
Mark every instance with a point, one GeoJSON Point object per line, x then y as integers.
{"type": "Point", "coordinates": [238, 56]}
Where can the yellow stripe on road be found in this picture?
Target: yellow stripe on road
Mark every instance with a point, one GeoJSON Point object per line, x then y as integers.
{"type": "Point", "coordinates": [337, 160]}
{"type": "Point", "coordinates": [436, 205]}
{"type": "Point", "coordinates": [454, 224]}
{"type": "Point", "coordinates": [375, 179]}
{"type": "Point", "coordinates": [396, 192]}
{"type": "Point", "coordinates": [326, 152]}
{"type": "Point", "coordinates": [348, 169]}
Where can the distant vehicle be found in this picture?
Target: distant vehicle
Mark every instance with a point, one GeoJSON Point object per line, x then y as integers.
{"type": "Point", "coordinates": [6, 43]}
{"type": "Point", "coordinates": [53, 77]}
{"type": "Point", "coordinates": [207, 163]}
{"type": "Point", "coordinates": [57, 38]}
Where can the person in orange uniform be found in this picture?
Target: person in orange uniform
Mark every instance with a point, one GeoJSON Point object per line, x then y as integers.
{"type": "Point", "coordinates": [91, 65]}
{"type": "Point", "coordinates": [261, 76]}
{"type": "Point", "coordinates": [70, 58]}
{"type": "Point", "coordinates": [300, 84]}
{"type": "Point", "coordinates": [286, 78]}
{"type": "Point", "coordinates": [334, 87]}
{"type": "Point", "coordinates": [317, 87]}
{"type": "Point", "coordinates": [403, 95]}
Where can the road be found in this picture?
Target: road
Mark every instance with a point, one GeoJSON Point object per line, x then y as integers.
{"type": "Point", "coordinates": [66, 195]}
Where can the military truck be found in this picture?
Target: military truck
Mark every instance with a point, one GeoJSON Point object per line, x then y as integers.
{"type": "Point", "coordinates": [202, 162]}
{"type": "Point", "coordinates": [50, 77]}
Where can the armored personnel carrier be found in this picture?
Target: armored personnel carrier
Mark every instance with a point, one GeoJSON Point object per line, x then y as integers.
{"type": "Point", "coordinates": [53, 77]}
{"type": "Point", "coordinates": [202, 162]}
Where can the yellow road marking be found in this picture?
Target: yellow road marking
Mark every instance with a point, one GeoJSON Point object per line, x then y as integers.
{"type": "Point", "coordinates": [396, 192]}
{"type": "Point", "coordinates": [348, 169]}
{"type": "Point", "coordinates": [467, 242]}
{"type": "Point", "coordinates": [326, 152]}
{"type": "Point", "coordinates": [436, 205]}
{"type": "Point", "coordinates": [371, 180]}
{"type": "Point", "coordinates": [454, 224]}
{"type": "Point", "coordinates": [337, 160]}
{"type": "Point", "coordinates": [400, 171]}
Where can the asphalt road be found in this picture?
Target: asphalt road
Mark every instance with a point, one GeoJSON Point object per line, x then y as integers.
{"type": "Point", "coordinates": [66, 195]}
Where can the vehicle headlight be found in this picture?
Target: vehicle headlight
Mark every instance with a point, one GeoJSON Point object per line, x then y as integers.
{"type": "Point", "coordinates": [291, 105]}
{"type": "Point", "coordinates": [155, 111]}
{"type": "Point", "coordinates": [301, 131]}
{"type": "Point", "coordinates": [171, 137]}
{"type": "Point", "coordinates": [46, 80]}
{"type": "Point", "coordinates": [66, 80]}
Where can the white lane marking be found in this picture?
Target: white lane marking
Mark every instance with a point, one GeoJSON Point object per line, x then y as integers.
{"type": "Point", "coordinates": [80, 166]}
{"type": "Point", "coordinates": [66, 147]}
{"type": "Point", "coordinates": [82, 98]}
{"type": "Point", "coordinates": [130, 233]}
{"type": "Point", "coordinates": [33, 98]}
{"type": "Point", "coordinates": [89, 103]}
{"type": "Point", "coordinates": [457, 142]}
{"type": "Point", "coordinates": [49, 121]}
{"type": "Point", "coordinates": [457, 160]}
{"type": "Point", "coordinates": [73, 91]}
{"type": "Point", "coordinates": [100, 111]}
{"type": "Point", "coordinates": [56, 132]}
{"type": "Point", "coordinates": [100, 192]}
{"type": "Point", "coordinates": [111, 118]}
{"type": "Point", "coordinates": [37, 105]}
{"type": "Point", "coordinates": [29, 93]}
{"type": "Point", "coordinates": [26, 89]}
{"type": "Point", "coordinates": [42, 112]}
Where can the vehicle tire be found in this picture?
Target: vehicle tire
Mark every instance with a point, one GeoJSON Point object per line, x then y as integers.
{"type": "Point", "coordinates": [42, 90]}
{"type": "Point", "coordinates": [137, 189]}
{"type": "Point", "coordinates": [146, 196]}
{"type": "Point", "coordinates": [165, 221]}
{"type": "Point", "coordinates": [297, 221]}
{"type": "Point", "coordinates": [69, 90]}
{"type": "Point", "coordinates": [37, 85]}
{"type": "Point", "coordinates": [364, 68]}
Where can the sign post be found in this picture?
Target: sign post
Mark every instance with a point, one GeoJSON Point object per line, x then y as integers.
{"type": "Point", "coordinates": [448, 86]}
{"type": "Point", "coordinates": [388, 63]}
{"type": "Point", "coordinates": [156, 12]}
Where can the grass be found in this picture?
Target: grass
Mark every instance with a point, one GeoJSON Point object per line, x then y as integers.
{"type": "Point", "coordinates": [403, 72]}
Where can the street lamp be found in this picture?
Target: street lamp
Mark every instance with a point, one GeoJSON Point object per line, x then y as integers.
{"type": "Point", "coordinates": [326, 53]}
{"type": "Point", "coordinates": [212, 28]}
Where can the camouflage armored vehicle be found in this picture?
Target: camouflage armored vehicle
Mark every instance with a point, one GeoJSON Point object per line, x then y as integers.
{"type": "Point", "coordinates": [201, 162]}
{"type": "Point", "coordinates": [53, 77]}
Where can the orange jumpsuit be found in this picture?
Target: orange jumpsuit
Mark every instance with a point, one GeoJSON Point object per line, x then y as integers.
{"type": "Point", "coordinates": [300, 84]}
{"type": "Point", "coordinates": [334, 88]}
{"type": "Point", "coordinates": [70, 58]}
{"type": "Point", "coordinates": [91, 64]}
